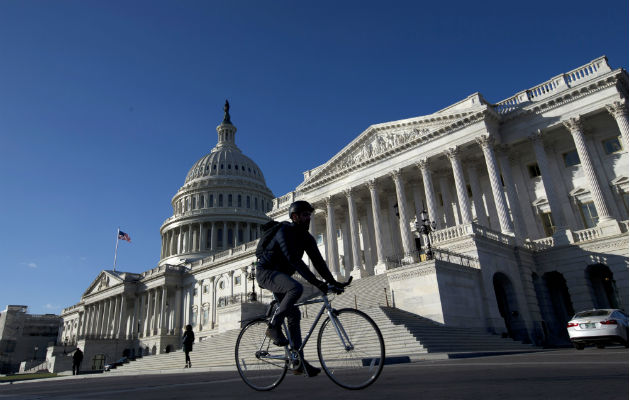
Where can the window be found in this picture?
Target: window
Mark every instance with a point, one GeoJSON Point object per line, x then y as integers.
{"type": "Point", "coordinates": [222, 285]}
{"type": "Point", "coordinates": [230, 237]}
{"type": "Point", "coordinates": [193, 318]}
{"type": "Point", "coordinates": [221, 166]}
{"type": "Point", "coordinates": [204, 318]}
{"type": "Point", "coordinates": [229, 166]}
{"type": "Point", "coordinates": [239, 201]}
{"type": "Point", "coordinates": [589, 214]}
{"type": "Point", "coordinates": [571, 158]}
{"type": "Point", "coordinates": [255, 203]}
{"type": "Point", "coordinates": [469, 190]}
{"type": "Point", "coordinates": [194, 203]}
{"type": "Point", "coordinates": [440, 199]}
{"type": "Point", "coordinates": [201, 201]}
{"type": "Point", "coordinates": [195, 292]}
{"type": "Point", "coordinates": [534, 170]}
{"type": "Point", "coordinates": [249, 204]}
{"type": "Point", "coordinates": [240, 236]}
{"type": "Point", "coordinates": [220, 200]}
{"type": "Point", "coordinates": [237, 280]}
{"type": "Point", "coordinates": [229, 200]}
{"type": "Point", "coordinates": [611, 145]}
{"type": "Point", "coordinates": [219, 237]}
{"type": "Point", "coordinates": [205, 288]}
{"type": "Point", "coordinates": [211, 201]}
{"type": "Point", "coordinates": [548, 225]}
{"type": "Point", "coordinates": [320, 239]}
{"type": "Point", "coordinates": [208, 238]}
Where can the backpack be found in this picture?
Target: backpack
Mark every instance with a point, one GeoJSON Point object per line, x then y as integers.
{"type": "Point", "coordinates": [268, 231]}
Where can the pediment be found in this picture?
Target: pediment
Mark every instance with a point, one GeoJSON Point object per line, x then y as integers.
{"type": "Point", "coordinates": [382, 141]}
{"type": "Point", "coordinates": [103, 281]}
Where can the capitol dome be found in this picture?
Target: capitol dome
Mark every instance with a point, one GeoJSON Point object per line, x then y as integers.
{"type": "Point", "coordinates": [222, 204]}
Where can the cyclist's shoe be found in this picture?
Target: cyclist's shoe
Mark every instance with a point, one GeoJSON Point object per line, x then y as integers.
{"type": "Point", "coordinates": [311, 371]}
{"type": "Point", "coordinates": [277, 337]}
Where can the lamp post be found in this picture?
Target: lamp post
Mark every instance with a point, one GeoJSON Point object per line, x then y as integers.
{"type": "Point", "coordinates": [425, 227]}
{"type": "Point", "coordinates": [252, 277]}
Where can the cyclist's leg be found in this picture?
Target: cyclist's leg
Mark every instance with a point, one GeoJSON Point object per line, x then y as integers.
{"type": "Point", "coordinates": [286, 289]}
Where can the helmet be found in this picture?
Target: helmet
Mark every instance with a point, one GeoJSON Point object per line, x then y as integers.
{"type": "Point", "coordinates": [299, 206]}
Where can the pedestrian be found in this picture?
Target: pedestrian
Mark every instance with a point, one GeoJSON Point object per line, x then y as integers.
{"type": "Point", "coordinates": [187, 343]}
{"type": "Point", "coordinates": [77, 357]}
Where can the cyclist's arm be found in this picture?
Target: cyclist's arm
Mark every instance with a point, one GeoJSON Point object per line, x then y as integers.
{"type": "Point", "coordinates": [286, 242]}
{"type": "Point", "coordinates": [318, 261]}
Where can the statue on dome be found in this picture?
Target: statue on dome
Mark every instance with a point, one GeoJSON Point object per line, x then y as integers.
{"type": "Point", "coordinates": [226, 108]}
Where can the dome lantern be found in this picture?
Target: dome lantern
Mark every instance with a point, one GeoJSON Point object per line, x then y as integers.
{"type": "Point", "coordinates": [226, 130]}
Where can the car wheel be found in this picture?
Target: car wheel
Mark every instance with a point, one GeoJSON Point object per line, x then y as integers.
{"type": "Point", "coordinates": [578, 346]}
{"type": "Point", "coordinates": [601, 346]}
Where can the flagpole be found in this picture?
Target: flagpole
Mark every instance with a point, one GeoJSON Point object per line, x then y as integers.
{"type": "Point", "coordinates": [116, 250]}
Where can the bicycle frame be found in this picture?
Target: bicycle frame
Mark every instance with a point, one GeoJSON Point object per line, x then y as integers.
{"type": "Point", "coordinates": [341, 333]}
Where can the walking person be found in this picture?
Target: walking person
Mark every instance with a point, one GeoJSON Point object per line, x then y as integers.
{"type": "Point", "coordinates": [77, 357]}
{"type": "Point", "coordinates": [187, 340]}
{"type": "Point", "coordinates": [277, 261]}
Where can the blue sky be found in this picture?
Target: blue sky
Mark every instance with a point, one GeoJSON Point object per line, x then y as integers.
{"type": "Point", "coordinates": [105, 105]}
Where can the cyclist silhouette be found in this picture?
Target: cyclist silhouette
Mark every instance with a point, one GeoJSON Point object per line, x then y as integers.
{"type": "Point", "coordinates": [280, 259]}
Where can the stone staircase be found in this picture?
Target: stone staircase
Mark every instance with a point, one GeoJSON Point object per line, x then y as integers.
{"type": "Point", "coordinates": [408, 337]}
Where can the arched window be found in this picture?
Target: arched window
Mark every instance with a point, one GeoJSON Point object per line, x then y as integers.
{"type": "Point", "coordinates": [201, 201]}
{"type": "Point", "coordinates": [255, 203]}
{"type": "Point", "coordinates": [220, 200]}
{"type": "Point", "coordinates": [194, 203]}
{"type": "Point", "coordinates": [229, 200]}
{"type": "Point", "coordinates": [239, 201]}
{"type": "Point", "coordinates": [220, 237]}
{"type": "Point", "coordinates": [249, 204]}
{"type": "Point", "coordinates": [230, 237]}
{"type": "Point", "coordinates": [211, 201]}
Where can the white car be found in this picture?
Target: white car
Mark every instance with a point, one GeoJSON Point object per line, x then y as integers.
{"type": "Point", "coordinates": [599, 327]}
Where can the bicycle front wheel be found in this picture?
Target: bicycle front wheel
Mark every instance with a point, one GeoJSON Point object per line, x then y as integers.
{"type": "Point", "coordinates": [261, 364]}
{"type": "Point", "coordinates": [351, 349]}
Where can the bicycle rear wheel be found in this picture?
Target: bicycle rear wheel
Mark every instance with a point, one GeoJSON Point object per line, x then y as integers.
{"type": "Point", "coordinates": [359, 362]}
{"type": "Point", "coordinates": [261, 364]}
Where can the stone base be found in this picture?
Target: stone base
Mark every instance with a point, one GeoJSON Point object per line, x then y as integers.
{"type": "Point", "coordinates": [609, 227]}
{"type": "Point", "coordinates": [358, 273]}
{"type": "Point", "coordinates": [380, 268]}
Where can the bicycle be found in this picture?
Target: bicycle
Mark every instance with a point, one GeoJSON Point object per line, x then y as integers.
{"type": "Point", "coordinates": [350, 348]}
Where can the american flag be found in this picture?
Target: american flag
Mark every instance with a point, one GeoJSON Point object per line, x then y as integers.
{"type": "Point", "coordinates": [123, 236]}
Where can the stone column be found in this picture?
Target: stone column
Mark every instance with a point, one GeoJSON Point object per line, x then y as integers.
{"type": "Point", "coordinates": [213, 302]}
{"type": "Point", "coordinates": [429, 193]}
{"type": "Point", "coordinates": [202, 237]}
{"type": "Point", "coordinates": [506, 169]}
{"type": "Point", "coordinates": [453, 155]}
{"type": "Point", "coordinates": [162, 325]}
{"type": "Point", "coordinates": [148, 321]}
{"type": "Point", "coordinates": [200, 302]}
{"type": "Point", "coordinates": [619, 111]}
{"type": "Point", "coordinates": [486, 141]}
{"type": "Point", "coordinates": [114, 317]}
{"type": "Point", "coordinates": [231, 276]}
{"type": "Point", "coordinates": [357, 267]}
{"type": "Point", "coordinates": [574, 125]}
{"type": "Point", "coordinates": [405, 230]}
{"type": "Point", "coordinates": [445, 190]}
{"type": "Point", "coordinates": [122, 318]}
{"type": "Point", "coordinates": [132, 329]}
{"type": "Point", "coordinates": [213, 236]}
{"type": "Point", "coordinates": [475, 187]}
{"type": "Point", "coordinates": [156, 312]}
{"type": "Point", "coordinates": [331, 235]}
{"type": "Point", "coordinates": [178, 311]}
{"type": "Point", "coordinates": [380, 266]}
{"type": "Point", "coordinates": [543, 165]}
{"type": "Point", "coordinates": [225, 236]}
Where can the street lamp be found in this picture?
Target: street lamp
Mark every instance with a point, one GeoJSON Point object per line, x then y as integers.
{"type": "Point", "coordinates": [425, 227]}
{"type": "Point", "coordinates": [252, 277]}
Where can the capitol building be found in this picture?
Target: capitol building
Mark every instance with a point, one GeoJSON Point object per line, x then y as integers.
{"type": "Point", "coordinates": [524, 204]}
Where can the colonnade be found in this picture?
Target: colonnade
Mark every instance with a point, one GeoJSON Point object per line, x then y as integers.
{"type": "Point", "coordinates": [489, 209]}
{"type": "Point", "coordinates": [122, 317]}
{"type": "Point", "coordinates": [204, 236]}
